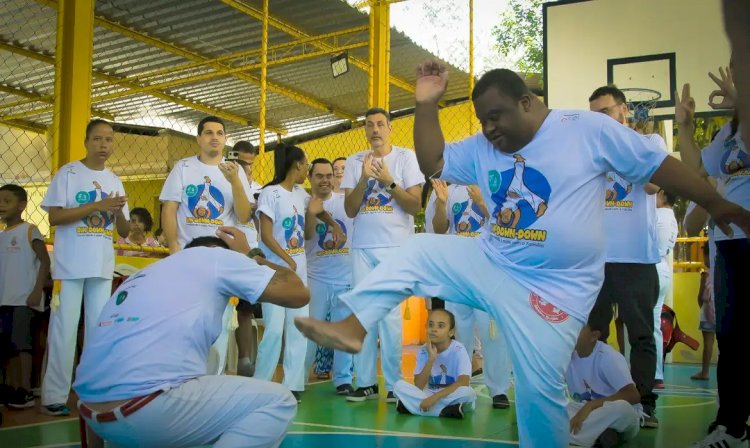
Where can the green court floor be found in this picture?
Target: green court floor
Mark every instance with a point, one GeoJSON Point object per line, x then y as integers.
{"type": "Point", "coordinates": [685, 408]}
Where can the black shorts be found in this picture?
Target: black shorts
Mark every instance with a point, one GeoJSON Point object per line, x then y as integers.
{"type": "Point", "coordinates": [15, 329]}
{"type": "Point", "coordinates": [247, 307]}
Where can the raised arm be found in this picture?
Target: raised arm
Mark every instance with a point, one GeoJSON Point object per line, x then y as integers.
{"type": "Point", "coordinates": [684, 112]}
{"type": "Point", "coordinates": [432, 81]}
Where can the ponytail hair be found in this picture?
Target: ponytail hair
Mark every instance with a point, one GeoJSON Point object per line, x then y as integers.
{"type": "Point", "coordinates": [283, 158]}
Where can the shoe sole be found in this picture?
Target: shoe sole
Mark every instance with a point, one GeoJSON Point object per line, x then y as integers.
{"type": "Point", "coordinates": [21, 406]}
{"type": "Point", "coordinates": [343, 392]}
{"type": "Point", "coordinates": [651, 425]}
{"type": "Point", "coordinates": [365, 398]}
{"type": "Point", "coordinates": [500, 406]}
{"type": "Point", "coordinates": [55, 414]}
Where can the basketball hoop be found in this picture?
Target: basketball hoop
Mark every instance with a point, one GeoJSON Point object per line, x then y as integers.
{"type": "Point", "coordinates": [641, 102]}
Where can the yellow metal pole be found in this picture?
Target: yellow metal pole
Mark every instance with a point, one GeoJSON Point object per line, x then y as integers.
{"type": "Point", "coordinates": [380, 54]}
{"type": "Point", "coordinates": [263, 78]}
{"type": "Point", "coordinates": [75, 48]}
{"type": "Point", "coordinates": [471, 64]}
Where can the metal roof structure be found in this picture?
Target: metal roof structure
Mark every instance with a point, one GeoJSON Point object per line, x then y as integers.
{"type": "Point", "coordinates": [168, 63]}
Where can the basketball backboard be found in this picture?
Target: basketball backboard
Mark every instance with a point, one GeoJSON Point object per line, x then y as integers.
{"type": "Point", "coordinates": [648, 44]}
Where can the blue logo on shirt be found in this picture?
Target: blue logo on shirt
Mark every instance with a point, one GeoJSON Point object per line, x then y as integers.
{"type": "Point", "coordinates": [734, 160]}
{"type": "Point", "coordinates": [375, 196]}
{"type": "Point", "coordinates": [325, 238]}
{"type": "Point", "coordinates": [97, 219]}
{"type": "Point", "coordinates": [206, 202]}
{"type": "Point", "coordinates": [520, 195]}
{"type": "Point", "coordinates": [467, 217]}
{"type": "Point", "coordinates": [294, 232]}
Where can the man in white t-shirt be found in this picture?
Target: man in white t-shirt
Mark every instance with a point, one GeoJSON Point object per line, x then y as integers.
{"type": "Point", "coordinates": [86, 202]}
{"type": "Point", "coordinates": [142, 378]}
{"type": "Point", "coordinates": [605, 404]}
{"type": "Point", "coordinates": [247, 340]}
{"type": "Point", "coordinates": [204, 192]}
{"type": "Point", "coordinates": [539, 279]}
{"type": "Point", "coordinates": [329, 268]}
{"type": "Point", "coordinates": [631, 281]}
{"type": "Point", "coordinates": [666, 236]}
{"type": "Point", "coordinates": [382, 188]}
{"type": "Point", "coordinates": [461, 210]}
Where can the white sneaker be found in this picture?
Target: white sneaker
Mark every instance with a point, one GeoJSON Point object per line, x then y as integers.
{"type": "Point", "coordinates": [720, 439]}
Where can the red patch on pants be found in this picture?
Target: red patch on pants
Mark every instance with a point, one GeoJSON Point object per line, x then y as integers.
{"type": "Point", "coordinates": [546, 310]}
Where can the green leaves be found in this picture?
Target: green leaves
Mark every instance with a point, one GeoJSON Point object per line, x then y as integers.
{"type": "Point", "coordinates": [519, 35]}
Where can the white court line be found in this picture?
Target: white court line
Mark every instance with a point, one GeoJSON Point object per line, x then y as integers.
{"type": "Point", "coordinates": [406, 434]}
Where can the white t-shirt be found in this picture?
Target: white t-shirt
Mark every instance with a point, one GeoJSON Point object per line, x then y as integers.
{"type": "Point", "coordinates": [465, 217]}
{"type": "Point", "coordinates": [601, 374]}
{"type": "Point", "coordinates": [205, 198]}
{"type": "Point", "coordinates": [19, 265]}
{"type": "Point", "coordinates": [547, 223]}
{"type": "Point", "coordinates": [83, 249]}
{"type": "Point", "coordinates": [381, 222]}
{"type": "Point", "coordinates": [325, 261]}
{"type": "Point", "coordinates": [666, 235]}
{"type": "Point", "coordinates": [156, 330]}
{"type": "Point", "coordinates": [630, 218]}
{"type": "Point", "coordinates": [248, 228]}
{"type": "Point", "coordinates": [448, 366]}
{"type": "Point", "coordinates": [727, 159]}
{"type": "Point", "coordinates": [287, 211]}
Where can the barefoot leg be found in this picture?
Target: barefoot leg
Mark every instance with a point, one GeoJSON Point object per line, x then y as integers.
{"type": "Point", "coordinates": [346, 335]}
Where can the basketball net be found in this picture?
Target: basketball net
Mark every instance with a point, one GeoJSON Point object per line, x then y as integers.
{"type": "Point", "coordinates": [640, 103]}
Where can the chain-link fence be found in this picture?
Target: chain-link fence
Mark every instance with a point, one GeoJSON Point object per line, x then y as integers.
{"type": "Point", "coordinates": [159, 67]}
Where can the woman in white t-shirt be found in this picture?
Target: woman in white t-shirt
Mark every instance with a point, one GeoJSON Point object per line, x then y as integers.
{"type": "Point", "coordinates": [283, 209]}
{"type": "Point", "coordinates": [441, 377]}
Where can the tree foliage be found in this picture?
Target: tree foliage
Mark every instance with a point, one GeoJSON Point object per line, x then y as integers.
{"type": "Point", "coordinates": [519, 35]}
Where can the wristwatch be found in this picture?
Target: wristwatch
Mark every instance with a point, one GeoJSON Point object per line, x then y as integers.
{"type": "Point", "coordinates": [391, 187]}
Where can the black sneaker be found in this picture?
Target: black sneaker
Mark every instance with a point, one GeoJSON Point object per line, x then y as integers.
{"type": "Point", "coordinates": [401, 408]}
{"type": "Point", "coordinates": [453, 411]}
{"type": "Point", "coordinates": [344, 389]}
{"type": "Point", "coordinates": [500, 402]}
{"type": "Point", "coordinates": [364, 393]}
{"type": "Point", "coordinates": [390, 398]}
{"type": "Point", "coordinates": [56, 410]}
{"type": "Point", "coordinates": [297, 396]}
{"type": "Point", "coordinates": [607, 439]}
{"type": "Point", "coordinates": [21, 399]}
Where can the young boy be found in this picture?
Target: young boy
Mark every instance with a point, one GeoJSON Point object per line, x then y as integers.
{"type": "Point", "coordinates": [24, 266]}
{"type": "Point", "coordinates": [86, 202]}
{"type": "Point", "coordinates": [441, 377]}
{"type": "Point", "coordinates": [605, 402]}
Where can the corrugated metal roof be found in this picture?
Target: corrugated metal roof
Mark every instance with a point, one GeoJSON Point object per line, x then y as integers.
{"type": "Point", "coordinates": [209, 29]}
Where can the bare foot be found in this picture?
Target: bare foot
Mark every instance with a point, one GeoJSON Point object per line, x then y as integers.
{"type": "Point", "coordinates": [346, 335]}
{"type": "Point", "coordinates": [700, 376]}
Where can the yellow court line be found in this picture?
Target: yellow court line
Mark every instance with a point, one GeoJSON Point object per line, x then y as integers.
{"type": "Point", "coordinates": [405, 434]}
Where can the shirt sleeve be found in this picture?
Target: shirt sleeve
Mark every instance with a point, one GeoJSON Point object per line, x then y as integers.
{"type": "Point", "coordinates": [429, 212]}
{"type": "Point", "coordinates": [173, 188]}
{"type": "Point", "coordinates": [459, 161]}
{"type": "Point", "coordinates": [121, 190]}
{"type": "Point", "coordinates": [56, 193]}
{"type": "Point", "coordinates": [412, 175]}
{"type": "Point", "coordinates": [352, 171]}
{"type": "Point", "coordinates": [463, 363]}
{"type": "Point", "coordinates": [421, 361]}
{"type": "Point", "coordinates": [242, 276]}
{"type": "Point", "coordinates": [711, 154]}
{"type": "Point", "coordinates": [627, 152]}
{"type": "Point", "coordinates": [267, 203]}
{"type": "Point", "coordinates": [614, 370]}
{"type": "Point", "coordinates": [35, 234]}
{"type": "Point", "coordinates": [664, 235]}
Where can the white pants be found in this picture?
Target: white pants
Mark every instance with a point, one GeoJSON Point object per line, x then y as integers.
{"type": "Point", "coordinates": [665, 283]}
{"type": "Point", "coordinates": [324, 299]}
{"type": "Point", "coordinates": [455, 269]}
{"type": "Point", "coordinates": [217, 357]}
{"type": "Point", "coordinates": [63, 332]}
{"type": "Point", "coordinates": [619, 415]}
{"type": "Point", "coordinates": [411, 396]}
{"type": "Point", "coordinates": [496, 357]}
{"type": "Point", "coordinates": [389, 327]}
{"type": "Point", "coordinates": [278, 322]}
{"type": "Point", "coordinates": [225, 411]}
